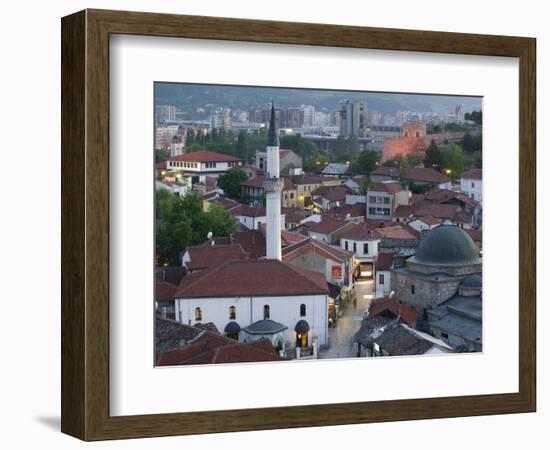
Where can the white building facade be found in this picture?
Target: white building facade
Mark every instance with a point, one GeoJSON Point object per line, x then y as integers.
{"type": "Point", "coordinates": [287, 310]}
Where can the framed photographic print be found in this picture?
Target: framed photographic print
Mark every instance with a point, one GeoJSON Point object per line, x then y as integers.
{"type": "Point", "coordinates": [273, 225]}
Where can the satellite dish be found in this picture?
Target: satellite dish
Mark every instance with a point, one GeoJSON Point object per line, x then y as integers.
{"type": "Point", "coordinates": [209, 235]}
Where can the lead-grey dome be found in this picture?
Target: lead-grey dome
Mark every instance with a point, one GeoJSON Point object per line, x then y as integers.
{"type": "Point", "coordinates": [447, 245]}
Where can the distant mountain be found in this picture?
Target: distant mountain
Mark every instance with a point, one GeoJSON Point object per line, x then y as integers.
{"type": "Point", "coordinates": [189, 97]}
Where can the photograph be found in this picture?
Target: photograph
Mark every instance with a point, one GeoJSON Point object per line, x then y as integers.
{"type": "Point", "coordinates": [306, 224]}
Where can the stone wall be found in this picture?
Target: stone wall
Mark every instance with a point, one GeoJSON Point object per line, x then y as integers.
{"type": "Point", "coordinates": [427, 293]}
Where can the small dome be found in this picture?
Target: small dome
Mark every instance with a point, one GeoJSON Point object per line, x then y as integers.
{"type": "Point", "coordinates": [472, 282]}
{"type": "Point", "coordinates": [232, 328]}
{"type": "Point", "coordinates": [447, 245]}
{"type": "Point", "coordinates": [301, 327]}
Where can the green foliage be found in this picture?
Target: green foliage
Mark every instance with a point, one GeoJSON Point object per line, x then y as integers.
{"type": "Point", "coordinates": [345, 149]}
{"type": "Point", "coordinates": [366, 162]}
{"type": "Point", "coordinates": [365, 186]}
{"type": "Point", "coordinates": [471, 144]}
{"type": "Point", "coordinates": [231, 181]}
{"type": "Point", "coordinates": [413, 160]}
{"type": "Point", "coordinates": [181, 223]}
{"type": "Point", "coordinates": [453, 160]}
{"type": "Point", "coordinates": [315, 162]}
{"type": "Point", "coordinates": [434, 156]}
{"type": "Point", "coordinates": [296, 142]}
{"type": "Point", "coordinates": [161, 155]}
{"type": "Point", "coordinates": [474, 116]}
{"type": "Point", "coordinates": [455, 127]}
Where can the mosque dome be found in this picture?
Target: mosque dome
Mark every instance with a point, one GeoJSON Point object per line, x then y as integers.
{"type": "Point", "coordinates": [447, 245]}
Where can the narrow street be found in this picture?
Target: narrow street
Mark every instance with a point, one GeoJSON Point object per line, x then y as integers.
{"type": "Point", "coordinates": [341, 336]}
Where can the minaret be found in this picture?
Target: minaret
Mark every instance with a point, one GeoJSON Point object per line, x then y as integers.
{"type": "Point", "coordinates": [272, 187]}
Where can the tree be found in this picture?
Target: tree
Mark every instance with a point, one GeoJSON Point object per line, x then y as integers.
{"type": "Point", "coordinates": [433, 156]}
{"type": "Point", "coordinates": [366, 162]}
{"type": "Point", "coordinates": [242, 148]}
{"type": "Point", "coordinates": [453, 160]}
{"type": "Point", "coordinates": [365, 186]}
{"type": "Point", "coordinates": [161, 154]}
{"type": "Point", "coordinates": [231, 181]}
{"type": "Point", "coordinates": [471, 144]}
{"type": "Point", "coordinates": [474, 116]}
{"type": "Point", "coordinates": [413, 160]}
{"type": "Point", "coordinates": [219, 221]}
{"type": "Point", "coordinates": [184, 222]}
{"type": "Point", "coordinates": [315, 162]}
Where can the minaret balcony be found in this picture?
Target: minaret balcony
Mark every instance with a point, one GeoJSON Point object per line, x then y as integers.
{"type": "Point", "coordinates": [273, 185]}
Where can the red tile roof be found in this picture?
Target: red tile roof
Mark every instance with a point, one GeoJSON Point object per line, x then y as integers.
{"type": "Point", "coordinates": [320, 248]}
{"type": "Point", "coordinates": [429, 220]}
{"type": "Point", "coordinates": [386, 171]}
{"type": "Point", "coordinates": [164, 291]}
{"type": "Point", "coordinates": [258, 183]}
{"type": "Point", "coordinates": [252, 278]}
{"type": "Point", "coordinates": [397, 232]}
{"type": "Point", "coordinates": [210, 348]}
{"type": "Point", "coordinates": [439, 210]}
{"type": "Point", "coordinates": [227, 203]}
{"type": "Point", "coordinates": [473, 174]}
{"type": "Point", "coordinates": [424, 174]}
{"type": "Point", "coordinates": [161, 165]}
{"type": "Point", "coordinates": [386, 187]}
{"type": "Point", "coordinates": [403, 211]}
{"type": "Point", "coordinates": [204, 156]}
{"type": "Point", "coordinates": [406, 313]}
{"type": "Point", "coordinates": [362, 231]}
{"type": "Point", "coordinates": [328, 225]}
{"type": "Point", "coordinates": [383, 261]}
{"type": "Point", "coordinates": [249, 211]}
{"type": "Point", "coordinates": [474, 234]}
{"type": "Point", "coordinates": [210, 256]}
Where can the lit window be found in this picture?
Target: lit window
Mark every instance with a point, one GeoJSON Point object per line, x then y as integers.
{"type": "Point", "coordinates": [266, 312]}
{"type": "Point", "coordinates": [198, 314]}
{"type": "Point", "coordinates": [232, 313]}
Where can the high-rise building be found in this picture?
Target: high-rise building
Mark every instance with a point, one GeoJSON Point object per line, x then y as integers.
{"type": "Point", "coordinates": [221, 120]}
{"type": "Point", "coordinates": [354, 118]}
{"type": "Point", "coordinates": [165, 113]}
{"type": "Point", "coordinates": [309, 115]}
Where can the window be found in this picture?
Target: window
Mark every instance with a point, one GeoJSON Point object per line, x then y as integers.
{"type": "Point", "coordinates": [412, 288]}
{"type": "Point", "coordinates": [232, 313]}
{"type": "Point", "coordinates": [381, 278]}
{"type": "Point", "coordinates": [444, 336]}
{"type": "Point", "coordinates": [354, 247]}
{"type": "Point", "coordinates": [346, 245]}
{"type": "Point", "coordinates": [302, 310]}
{"type": "Point", "coordinates": [198, 314]}
{"type": "Point", "coordinates": [366, 249]}
{"type": "Point", "coordinates": [292, 195]}
{"type": "Point", "coordinates": [372, 211]}
{"type": "Point", "coordinates": [473, 185]}
{"type": "Point", "coordinates": [372, 199]}
{"type": "Point", "coordinates": [386, 200]}
{"type": "Point", "coordinates": [266, 312]}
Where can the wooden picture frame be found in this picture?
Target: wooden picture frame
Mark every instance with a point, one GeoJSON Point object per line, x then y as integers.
{"type": "Point", "coordinates": [85, 224]}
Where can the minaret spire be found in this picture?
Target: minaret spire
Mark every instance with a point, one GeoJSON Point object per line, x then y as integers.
{"type": "Point", "coordinates": [273, 185]}
{"type": "Point", "coordinates": [272, 134]}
